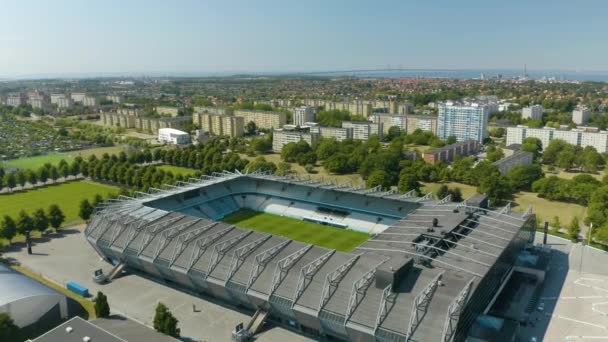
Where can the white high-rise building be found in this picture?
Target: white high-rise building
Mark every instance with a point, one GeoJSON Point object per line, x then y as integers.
{"type": "Point", "coordinates": [534, 112]}
{"type": "Point", "coordinates": [465, 122]}
{"type": "Point", "coordinates": [303, 114]}
{"type": "Point", "coordinates": [580, 115]}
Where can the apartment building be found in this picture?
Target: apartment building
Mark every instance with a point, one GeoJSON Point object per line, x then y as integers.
{"type": "Point", "coordinates": [406, 123]}
{"type": "Point", "coordinates": [580, 115]}
{"type": "Point", "coordinates": [115, 98]}
{"type": "Point", "coordinates": [165, 110]}
{"type": "Point", "coordinates": [78, 97]}
{"type": "Point", "coordinates": [447, 153]}
{"type": "Point", "coordinates": [363, 130]}
{"type": "Point", "coordinates": [16, 100]}
{"type": "Point", "coordinates": [263, 119]}
{"type": "Point", "coordinates": [303, 114]}
{"type": "Point", "coordinates": [89, 101]}
{"type": "Point", "coordinates": [152, 125]}
{"type": "Point", "coordinates": [216, 124]}
{"type": "Point", "coordinates": [463, 121]}
{"type": "Point", "coordinates": [39, 100]}
{"type": "Point", "coordinates": [581, 136]}
{"type": "Point", "coordinates": [289, 134]}
{"type": "Point", "coordinates": [330, 132]}
{"type": "Point", "coordinates": [534, 112]}
{"type": "Point", "coordinates": [214, 110]}
{"type": "Point", "coordinates": [505, 164]}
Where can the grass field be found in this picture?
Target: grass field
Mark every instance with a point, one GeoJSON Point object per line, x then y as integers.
{"type": "Point", "coordinates": [324, 236]}
{"type": "Point", "coordinates": [177, 170]}
{"type": "Point", "coordinates": [547, 210]}
{"type": "Point", "coordinates": [66, 195]}
{"type": "Point", "coordinates": [37, 161]}
{"type": "Point", "coordinates": [98, 151]}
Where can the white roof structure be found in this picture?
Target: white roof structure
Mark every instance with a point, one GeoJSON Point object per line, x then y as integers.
{"type": "Point", "coordinates": [171, 131]}
{"type": "Point", "coordinates": [20, 295]}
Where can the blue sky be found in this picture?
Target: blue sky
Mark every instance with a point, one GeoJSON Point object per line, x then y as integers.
{"type": "Point", "coordinates": [110, 36]}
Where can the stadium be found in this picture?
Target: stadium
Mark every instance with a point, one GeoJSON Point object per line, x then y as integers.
{"type": "Point", "coordinates": [425, 270]}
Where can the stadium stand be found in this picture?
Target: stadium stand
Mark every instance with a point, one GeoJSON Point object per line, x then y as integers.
{"type": "Point", "coordinates": [429, 270]}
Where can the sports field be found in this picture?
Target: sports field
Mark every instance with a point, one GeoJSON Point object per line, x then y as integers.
{"type": "Point", "coordinates": [324, 236]}
{"type": "Point", "coordinates": [37, 161]}
{"type": "Point", "coordinates": [177, 170]}
{"type": "Point", "coordinates": [66, 195]}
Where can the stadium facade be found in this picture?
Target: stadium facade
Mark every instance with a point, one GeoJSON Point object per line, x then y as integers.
{"type": "Point", "coordinates": [428, 270]}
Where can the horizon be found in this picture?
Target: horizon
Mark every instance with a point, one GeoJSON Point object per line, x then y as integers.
{"type": "Point", "coordinates": [69, 37]}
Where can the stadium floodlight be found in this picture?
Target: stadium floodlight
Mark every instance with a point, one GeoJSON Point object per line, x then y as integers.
{"type": "Point", "coordinates": [307, 272]}
{"type": "Point", "coordinates": [421, 303]}
{"type": "Point", "coordinates": [454, 311]}
{"type": "Point", "coordinates": [333, 279]}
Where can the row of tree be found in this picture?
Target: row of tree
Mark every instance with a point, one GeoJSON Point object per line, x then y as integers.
{"type": "Point", "coordinates": [40, 220]}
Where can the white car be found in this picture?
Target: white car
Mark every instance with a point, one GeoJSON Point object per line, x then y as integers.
{"type": "Point", "coordinates": [533, 339]}
{"type": "Point", "coordinates": [541, 307]}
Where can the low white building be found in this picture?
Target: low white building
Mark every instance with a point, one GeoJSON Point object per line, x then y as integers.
{"type": "Point", "coordinates": [27, 301]}
{"type": "Point", "coordinates": [173, 136]}
{"type": "Point", "coordinates": [581, 136]}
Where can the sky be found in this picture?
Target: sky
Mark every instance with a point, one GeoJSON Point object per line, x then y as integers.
{"type": "Point", "coordinates": [71, 37]}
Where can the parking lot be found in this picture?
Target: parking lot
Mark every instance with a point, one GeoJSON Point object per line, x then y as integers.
{"type": "Point", "coordinates": [574, 301]}
{"type": "Point", "coordinates": [70, 258]}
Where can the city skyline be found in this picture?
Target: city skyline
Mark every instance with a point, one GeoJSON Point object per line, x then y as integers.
{"type": "Point", "coordinates": [135, 37]}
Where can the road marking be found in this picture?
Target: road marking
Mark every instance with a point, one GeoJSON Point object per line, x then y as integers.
{"type": "Point", "coordinates": [577, 321]}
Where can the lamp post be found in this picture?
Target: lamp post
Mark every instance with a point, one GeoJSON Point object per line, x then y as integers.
{"type": "Point", "coordinates": [580, 269]}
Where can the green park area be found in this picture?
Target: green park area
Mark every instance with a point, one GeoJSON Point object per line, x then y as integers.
{"type": "Point", "coordinates": [36, 162]}
{"type": "Point", "coordinates": [319, 235]}
{"type": "Point", "coordinates": [177, 170]}
{"type": "Point", "coordinates": [66, 195]}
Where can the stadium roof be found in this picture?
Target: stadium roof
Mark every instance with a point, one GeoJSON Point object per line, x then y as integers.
{"type": "Point", "coordinates": [347, 288]}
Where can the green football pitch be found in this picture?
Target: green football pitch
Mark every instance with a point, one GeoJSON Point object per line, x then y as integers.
{"type": "Point", "coordinates": [320, 235]}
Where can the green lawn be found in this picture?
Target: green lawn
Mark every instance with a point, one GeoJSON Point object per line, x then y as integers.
{"type": "Point", "coordinates": [98, 151]}
{"type": "Point", "coordinates": [37, 161]}
{"type": "Point", "coordinates": [547, 210]}
{"type": "Point", "coordinates": [467, 190]}
{"type": "Point", "coordinates": [324, 236]}
{"type": "Point", "coordinates": [66, 195]}
{"type": "Point", "coordinates": [177, 170]}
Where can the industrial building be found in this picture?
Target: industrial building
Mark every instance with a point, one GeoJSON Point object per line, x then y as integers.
{"type": "Point", "coordinates": [173, 136]}
{"type": "Point", "coordinates": [429, 270]}
{"type": "Point", "coordinates": [28, 302]}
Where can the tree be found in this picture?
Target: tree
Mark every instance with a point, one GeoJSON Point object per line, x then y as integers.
{"type": "Point", "coordinates": [40, 220]}
{"type": "Point", "coordinates": [574, 229]}
{"type": "Point", "coordinates": [284, 169]}
{"type": "Point", "coordinates": [556, 224]}
{"type": "Point", "coordinates": [251, 128]}
{"type": "Point", "coordinates": [408, 182]}
{"type": "Point", "coordinates": [8, 329]}
{"type": "Point", "coordinates": [456, 195]}
{"type": "Point", "coordinates": [497, 188]}
{"type": "Point", "coordinates": [442, 192]}
{"type": "Point", "coordinates": [261, 145]}
{"type": "Point", "coordinates": [521, 177]}
{"type": "Point", "coordinates": [10, 181]}
{"type": "Point", "coordinates": [102, 308]}
{"type": "Point", "coordinates": [24, 222]}
{"type": "Point", "coordinates": [165, 322]}
{"type": "Point", "coordinates": [56, 216]}
{"type": "Point", "coordinates": [451, 140]}
{"type": "Point", "coordinates": [97, 200]}
{"type": "Point", "coordinates": [85, 209]}
{"type": "Point", "coordinates": [378, 177]}
{"type": "Point", "coordinates": [8, 228]}
{"type": "Point", "coordinates": [532, 145]}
